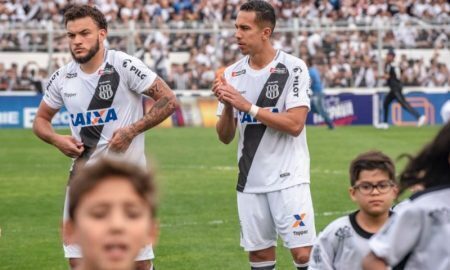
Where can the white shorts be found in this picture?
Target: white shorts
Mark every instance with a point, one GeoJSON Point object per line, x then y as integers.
{"type": "Point", "coordinates": [74, 251]}
{"type": "Point", "coordinates": [288, 213]}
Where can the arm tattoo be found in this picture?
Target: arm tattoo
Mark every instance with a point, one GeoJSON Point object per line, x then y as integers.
{"type": "Point", "coordinates": [157, 89]}
{"type": "Point", "coordinates": [165, 105]}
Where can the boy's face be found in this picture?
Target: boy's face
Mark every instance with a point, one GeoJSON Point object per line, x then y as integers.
{"type": "Point", "coordinates": [112, 223]}
{"type": "Point", "coordinates": [376, 202]}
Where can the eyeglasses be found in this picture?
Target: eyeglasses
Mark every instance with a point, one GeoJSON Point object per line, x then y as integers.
{"type": "Point", "coordinates": [367, 188]}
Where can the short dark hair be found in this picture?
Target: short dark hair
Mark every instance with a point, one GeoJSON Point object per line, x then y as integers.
{"type": "Point", "coordinates": [369, 161]}
{"type": "Point", "coordinates": [81, 11]}
{"type": "Point", "coordinates": [264, 11]}
{"type": "Point", "coordinates": [431, 166]}
{"type": "Point", "coordinates": [88, 177]}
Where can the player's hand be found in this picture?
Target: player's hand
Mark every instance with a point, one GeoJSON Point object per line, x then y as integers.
{"type": "Point", "coordinates": [228, 94]}
{"type": "Point", "coordinates": [221, 82]}
{"type": "Point", "coordinates": [121, 139]}
{"type": "Point", "coordinates": [68, 145]}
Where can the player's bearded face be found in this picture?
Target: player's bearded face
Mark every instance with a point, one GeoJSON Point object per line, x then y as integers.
{"type": "Point", "coordinates": [84, 38]}
{"type": "Point", "coordinates": [91, 53]}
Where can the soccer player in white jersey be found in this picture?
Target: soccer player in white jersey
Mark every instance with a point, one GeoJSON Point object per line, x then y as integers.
{"type": "Point", "coordinates": [265, 96]}
{"type": "Point", "coordinates": [418, 235]}
{"type": "Point", "coordinates": [102, 90]}
{"type": "Point", "coordinates": [344, 243]}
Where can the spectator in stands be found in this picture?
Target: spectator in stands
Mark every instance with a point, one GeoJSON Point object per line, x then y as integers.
{"type": "Point", "coordinates": [3, 77]}
{"type": "Point", "coordinates": [365, 76]}
{"type": "Point", "coordinates": [440, 75]}
{"type": "Point", "coordinates": [11, 79]}
{"type": "Point", "coordinates": [348, 45]}
{"type": "Point", "coordinates": [159, 56]}
{"type": "Point", "coordinates": [408, 76]}
{"type": "Point", "coordinates": [110, 9]}
{"type": "Point", "coordinates": [178, 78]}
{"type": "Point", "coordinates": [207, 76]}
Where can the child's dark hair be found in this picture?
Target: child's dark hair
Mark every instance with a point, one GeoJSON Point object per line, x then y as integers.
{"type": "Point", "coordinates": [431, 166]}
{"type": "Point", "coordinates": [87, 178]}
{"type": "Point", "coordinates": [369, 161]}
{"type": "Point", "coordinates": [82, 11]}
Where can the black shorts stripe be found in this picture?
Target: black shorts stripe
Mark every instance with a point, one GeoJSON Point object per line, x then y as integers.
{"type": "Point", "coordinates": [253, 134]}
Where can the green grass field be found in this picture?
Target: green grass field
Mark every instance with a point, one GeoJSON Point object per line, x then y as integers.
{"type": "Point", "coordinates": [197, 177]}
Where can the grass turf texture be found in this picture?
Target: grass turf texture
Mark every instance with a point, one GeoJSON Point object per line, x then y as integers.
{"type": "Point", "coordinates": [197, 178]}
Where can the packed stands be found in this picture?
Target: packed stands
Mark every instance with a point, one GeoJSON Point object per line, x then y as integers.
{"type": "Point", "coordinates": [345, 38]}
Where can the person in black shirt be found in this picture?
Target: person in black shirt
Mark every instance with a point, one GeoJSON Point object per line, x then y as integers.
{"type": "Point", "coordinates": [395, 92]}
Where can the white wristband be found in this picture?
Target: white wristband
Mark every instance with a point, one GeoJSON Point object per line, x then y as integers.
{"type": "Point", "coordinates": [253, 110]}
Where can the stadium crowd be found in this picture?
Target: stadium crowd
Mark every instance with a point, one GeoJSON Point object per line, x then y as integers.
{"type": "Point", "coordinates": [178, 12]}
{"type": "Point", "coordinates": [345, 58]}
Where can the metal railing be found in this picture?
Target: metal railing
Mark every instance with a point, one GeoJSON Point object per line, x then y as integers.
{"type": "Point", "coordinates": [51, 32]}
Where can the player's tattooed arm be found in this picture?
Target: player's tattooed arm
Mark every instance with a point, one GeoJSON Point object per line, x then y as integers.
{"type": "Point", "coordinates": [165, 104]}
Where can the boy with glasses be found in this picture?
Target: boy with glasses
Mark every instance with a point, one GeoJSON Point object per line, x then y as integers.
{"type": "Point", "coordinates": [344, 243]}
{"type": "Point", "coordinates": [418, 235]}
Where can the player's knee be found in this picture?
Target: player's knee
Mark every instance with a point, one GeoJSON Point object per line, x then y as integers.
{"type": "Point", "coordinates": [74, 263]}
{"type": "Point", "coordinates": [143, 265]}
{"type": "Point", "coordinates": [262, 255]}
{"type": "Point", "coordinates": [301, 258]}
{"type": "Point", "coordinates": [301, 255]}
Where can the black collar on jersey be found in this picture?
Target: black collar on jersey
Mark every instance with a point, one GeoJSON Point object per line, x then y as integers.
{"type": "Point", "coordinates": [358, 229]}
{"type": "Point", "coordinates": [428, 190]}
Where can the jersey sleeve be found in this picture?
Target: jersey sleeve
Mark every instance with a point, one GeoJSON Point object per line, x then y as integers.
{"type": "Point", "coordinates": [137, 75]}
{"type": "Point", "coordinates": [323, 252]}
{"type": "Point", "coordinates": [398, 236]}
{"type": "Point", "coordinates": [52, 94]}
{"type": "Point", "coordinates": [299, 86]}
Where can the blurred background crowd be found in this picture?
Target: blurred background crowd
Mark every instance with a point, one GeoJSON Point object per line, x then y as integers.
{"type": "Point", "coordinates": [166, 36]}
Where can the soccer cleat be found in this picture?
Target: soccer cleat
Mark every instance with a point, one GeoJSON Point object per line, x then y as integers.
{"type": "Point", "coordinates": [422, 120]}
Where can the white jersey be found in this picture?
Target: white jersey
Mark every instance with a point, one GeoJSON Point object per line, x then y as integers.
{"type": "Point", "coordinates": [268, 159]}
{"type": "Point", "coordinates": [343, 244]}
{"type": "Point", "coordinates": [102, 102]}
{"type": "Point", "coordinates": [417, 236]}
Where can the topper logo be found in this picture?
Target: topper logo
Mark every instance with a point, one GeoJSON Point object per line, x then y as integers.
{"type": "Point", "coordinates": [94, 117]}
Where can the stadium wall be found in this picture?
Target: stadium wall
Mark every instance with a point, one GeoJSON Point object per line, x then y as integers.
{"type": "Point", "coordinates": [346, 106]}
